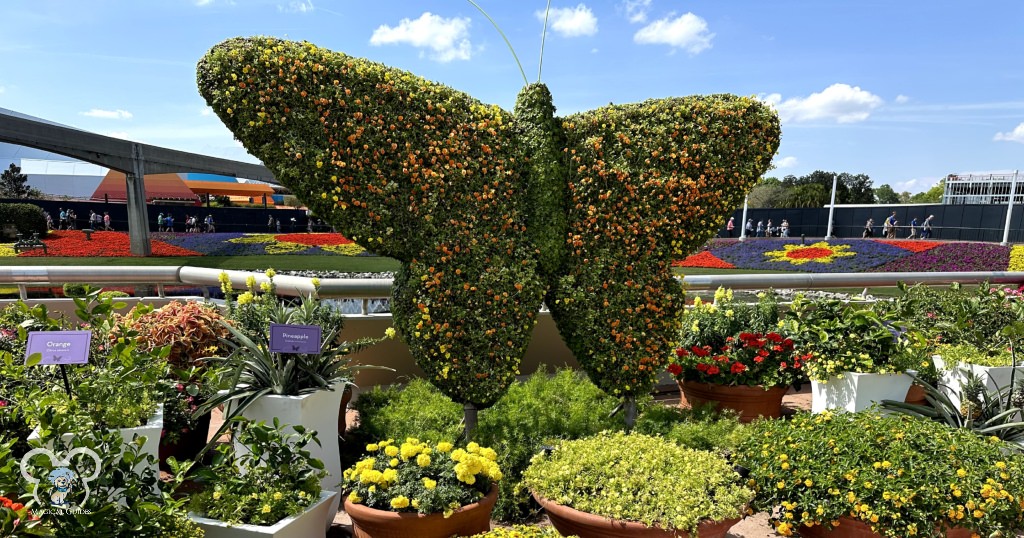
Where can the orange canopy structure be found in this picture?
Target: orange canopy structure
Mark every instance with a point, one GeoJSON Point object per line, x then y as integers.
{"type": "Point", "coordinates": [224, 188]}
{"type": "Point", "coordinates": [158, 187]}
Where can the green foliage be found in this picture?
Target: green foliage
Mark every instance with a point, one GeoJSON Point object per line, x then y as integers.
{"type": "Point", "coordinates": [27, 218]}
{"type": "Point", "coordinates": [521, 531]}
{"type": "Point", "coordinates": [886, 195]}
{"type": "Point", "coordinates": [72, 290]}
{"type": "Point", "coordinates": [701, 428]}
{"type": "Point", "coordinates": [414, 410]}
{"type": "Point", "coordinates": [815, 189]}
{"type": "Point", "coordinates": [992, 356]}
{"type": "Point", "coordinates": [466, 196]}
{"type": "Point", "coordinates": [987, 413]}
{"type": "Point", "coordinates": [14, 184]}
{"type": "Point", "coordinates": [902, 475]}
{"type": "Point", "coordinates": [272, 479]}
{"type": "Point", "coordinates": [845, 337]}
{"type": "Point", "coordinates": [535, 413]}
{"type": "Point", "coordinates": [635, 477]}
{"type": "Point", "coordinates": [416, 476]}
{"type": "Point", "coordinates": [114, 294]}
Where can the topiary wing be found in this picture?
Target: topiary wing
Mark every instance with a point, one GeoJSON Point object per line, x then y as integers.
{"type": "Point", "coordinates": [648, 183]}
{"type": "Point", "coordinates": [409, 169]}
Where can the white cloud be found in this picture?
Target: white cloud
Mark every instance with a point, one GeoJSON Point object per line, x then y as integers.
{"type": "Point", "coordinates": [1016, 135]}
{"type": "Point", "coordinates": [786, 162]}
{"type": "Point", "coordinates": [296, 6]}
{"type": "Point", "coordinates": [571, 22]}
{"type": "Point", "coordinates": [636, 10]}
{"type": "Point", "coordinates": [108, 114]}
{"type": "Point", "coordinates": [447, 38]}
{"type": "Point", "coordinates": [206, 111]}
{"type": "Point", "coordinates": [118, 134]}
{"type": "Point", "coordinates": [840, 102]}
{"type": "Point", "coordinates": [202, 3]}
{"type": "Point", "coordinates": [687, 31]}
{"type": "Point", "coordinates": [900, 99]}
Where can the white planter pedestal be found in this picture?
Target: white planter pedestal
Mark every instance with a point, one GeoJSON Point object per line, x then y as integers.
{"type": "Point", "coordinates": [856, 391]}
{"type": "Point", "coordinates": [955, 378]}
{"type": "Point", "coordinates": [308, 524]}
{"type": "Point", "coordinates": [315, 411]}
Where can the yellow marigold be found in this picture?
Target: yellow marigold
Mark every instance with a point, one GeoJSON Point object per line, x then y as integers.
{"type": "Point", "coordinates": [444, 446]}
{"type": "Point", "coordinates": [391, 450]}
{"type": "Point", "coordinates": [400, 502]}
{"type": "Point", "coordinates": [423, 460]}
{"type": "Point", "coordinates": [429, 484]}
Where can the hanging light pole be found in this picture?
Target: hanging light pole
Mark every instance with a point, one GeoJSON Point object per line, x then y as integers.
{"type": "Point", "coordinates": [1009, 209]}
{"type": "Point", "coordinates": [832, 208]}
{"type": "Point", "coordinates": [743, 222]}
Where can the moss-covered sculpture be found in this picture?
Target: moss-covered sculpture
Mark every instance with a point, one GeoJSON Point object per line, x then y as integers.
{"type": "Point", "coordinates": [489, 212]}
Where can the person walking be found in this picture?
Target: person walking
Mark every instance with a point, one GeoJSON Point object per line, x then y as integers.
{"type": "Point", "coordinates": [71, 219]}
{"type": "Point", "coordinates": [270, 223]}
{"type": "Point", "coordinates": [926, 227]}
{"type": "Point", "coordinates": [784, 227]}
{"type": "Point", "coordinates": [730, 226]}
{"type": "Point", "coordinates": [160, 222]}
{"type": "Point", "coordinates": [890, 226]}
{"type": "Point", "coordinates": [749, 227]}
{"type": "Point", "coordinates": [760, 229]}
{"type": "Point", "coordinates": [913, 228]}
{"type": "Point", "coordinates": [63, 218]}
{"type": "Point", "coordinates": [769, 230]}
{"type": "Point", "coordinates": [106, 221]}
{"type": "Point", "coordinates": [869, 228]}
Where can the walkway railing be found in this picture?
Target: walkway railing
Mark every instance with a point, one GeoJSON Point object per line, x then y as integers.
{"type": "Point", "coordinates": [375, 288]}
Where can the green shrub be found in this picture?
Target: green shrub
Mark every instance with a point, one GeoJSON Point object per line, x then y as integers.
{"type": "Point", "coordinates": [416, 410]}
{"type": "Point", "coordinates": [636, 477]}
{"type": "Point", "coordinates": [538, 412]}
{"type": "Point", "coordinates": [73, 289]}
{"type": "Point", "coordinates": [113, 294]}
{"type": "Point", "coordinates": [701, 428]}
{"type": "Point", "coordinates": [27, 218]}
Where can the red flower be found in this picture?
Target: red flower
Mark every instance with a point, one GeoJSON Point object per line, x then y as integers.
{"type": "Point", "coordinates": [712, 370]}
{"type": "Point", "coordinates": [738, 368]}
{"type": "Point", "coordinates": [675, 369]}
{"type": "Point", "coordinates": [680, 352]}
{"type": "Point", "coordinates": [701, 367]}
{"type": "Point", "coordinates": [701, 351]}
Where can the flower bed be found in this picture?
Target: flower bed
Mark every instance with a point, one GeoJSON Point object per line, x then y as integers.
{"type": "Point", "coordinates": [856, 255]}
{"type": "Point", "coordinates": [117, 244]}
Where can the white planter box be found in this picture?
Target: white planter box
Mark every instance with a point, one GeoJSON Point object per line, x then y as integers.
{"type": "Point", "coordinates": [151, 447]}
{"type": "Point", "coordinates": [315, 411]}
{"type": "Point", "coordinates": [954, 379]}
{"type": "Point", "coordinates": [857, 392]}
{"type": "Point", "coordinates": [308, 524]}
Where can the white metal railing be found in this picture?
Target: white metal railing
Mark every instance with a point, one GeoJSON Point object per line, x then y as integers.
{"type": "Point", "coordinates": [26, 277]}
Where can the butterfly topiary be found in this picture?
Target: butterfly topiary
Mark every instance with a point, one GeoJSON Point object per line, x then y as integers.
{"type": "Point", "coordinates": [492, 213]}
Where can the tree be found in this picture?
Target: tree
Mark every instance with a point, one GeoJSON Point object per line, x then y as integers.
{"type": "Point", "coordinates": [885, 195]}
{"type": "Point", "coordinates": [850, 188]}
{"type": "Point", "coordinates": [809, 195]}
{"type": "Point", "coordinates": [768, 193]}
{"type": "Point", "coordinates": [859, 190]}
{"type": "Point", "coordinates": [14, 184]}
{"type": "Point", "coordinates": [930, 196]}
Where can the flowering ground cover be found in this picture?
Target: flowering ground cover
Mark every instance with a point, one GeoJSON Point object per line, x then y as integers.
{"type": "Point", "coordinates": [117, 244]}
{"type": "Point", "coordinates": [856, 255]}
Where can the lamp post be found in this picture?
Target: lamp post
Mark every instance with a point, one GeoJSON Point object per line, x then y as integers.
{"type": "Point", "coordinates": [1009, 210]}
{"type": "Point", "coordinates": [832, 208]}
{"type": "Point", "coordinates": [743, 222]}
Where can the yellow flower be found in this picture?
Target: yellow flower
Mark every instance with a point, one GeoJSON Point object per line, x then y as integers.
{"type": "Point", "coordinates": [217, 495]}
{"type": "Point", "coordinates": [250, 282]}
{"type": "Point", "coordinates": [429, 484]}
{"type": "Point", "coordinates": [354, 497]}
{"type": "Point", "coordinates": [400, 502]}
{"type": "Point", "coordinates": [372, 447]}
{"type": "Point", "coordinates": [245, 298]}
{"type": "Point", "coordinates": [391, 450]}
{"type": "Point", "coordinates": [270, 273]}
{"type": "Point", "coordinates": [266, 509]}
{"type": "Point", "coordinates": [423, 460]}
{"type": "Point", "coordinates": [389, 332]}
{"type": "Point", "coordinates": [278, 495]}
{"type": "Point", "coordinates": [444, 446]}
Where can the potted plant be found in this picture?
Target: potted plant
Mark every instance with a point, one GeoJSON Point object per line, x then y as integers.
{"type": "Point", "coordinates": [422, 489]}
{"type": "Point", "coordinates": [272, 489]}
{"type": "Point", "coordinates": [736, 356]}
{"type": "Point", "coordinates": [855, 356]}
{"type": "Point", "coordinates": [995, 365]}
{"type": "Point", "coordinates": [192, 331]}
{"type": "Point", "coordinates": [298, 388]}
{"type": "Point", "coordinates": [521, 531]}
{"type": "Point", "coordinates": [618, 484]}
{"type": "Point", "coordinates": [873, 474]}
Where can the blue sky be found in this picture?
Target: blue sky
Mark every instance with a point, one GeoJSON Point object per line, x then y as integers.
{"type": "Point", "coordinates": [904, 91]}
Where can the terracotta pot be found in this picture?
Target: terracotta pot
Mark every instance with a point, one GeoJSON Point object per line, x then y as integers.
{"type": "Point", "coordinates": [750, 402]}
{"type": "Point", "coordinates": [466, 521]}
{"type": "Point", "coordinates": [854, 528]}
{"type": "Point", "coordinates": [916, 395]}
{"type": "Point", "coordinates": [569, 521]}
{"type": "Point", "coordinates": [188, 445]}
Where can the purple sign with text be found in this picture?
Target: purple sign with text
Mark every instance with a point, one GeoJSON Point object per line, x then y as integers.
{"type": "Point", "coordinates": [59, 347]}
{"type": "Point", "coordinates": [294, 338]}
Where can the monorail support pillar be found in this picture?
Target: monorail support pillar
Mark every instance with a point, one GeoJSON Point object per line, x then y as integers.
{"type": "Point", "coordinates": [138, 217]}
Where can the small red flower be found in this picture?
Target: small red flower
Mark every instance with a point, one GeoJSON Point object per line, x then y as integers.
{"type": "Point", "coordinates": [738, 368]}
{"type": "Point", "coordinates": [675, 369]}
{"type": "Point", "coordinates": [712, 370]}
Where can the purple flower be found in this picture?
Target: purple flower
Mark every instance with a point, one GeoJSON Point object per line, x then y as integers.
{"type": "Point", "coordinates": [751, 255]}
{"type": "Point", "coordinates": [953, 257]}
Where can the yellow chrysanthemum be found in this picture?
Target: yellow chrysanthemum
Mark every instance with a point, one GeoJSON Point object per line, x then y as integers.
{"type": "Point", "coordinates": [820, 252]}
